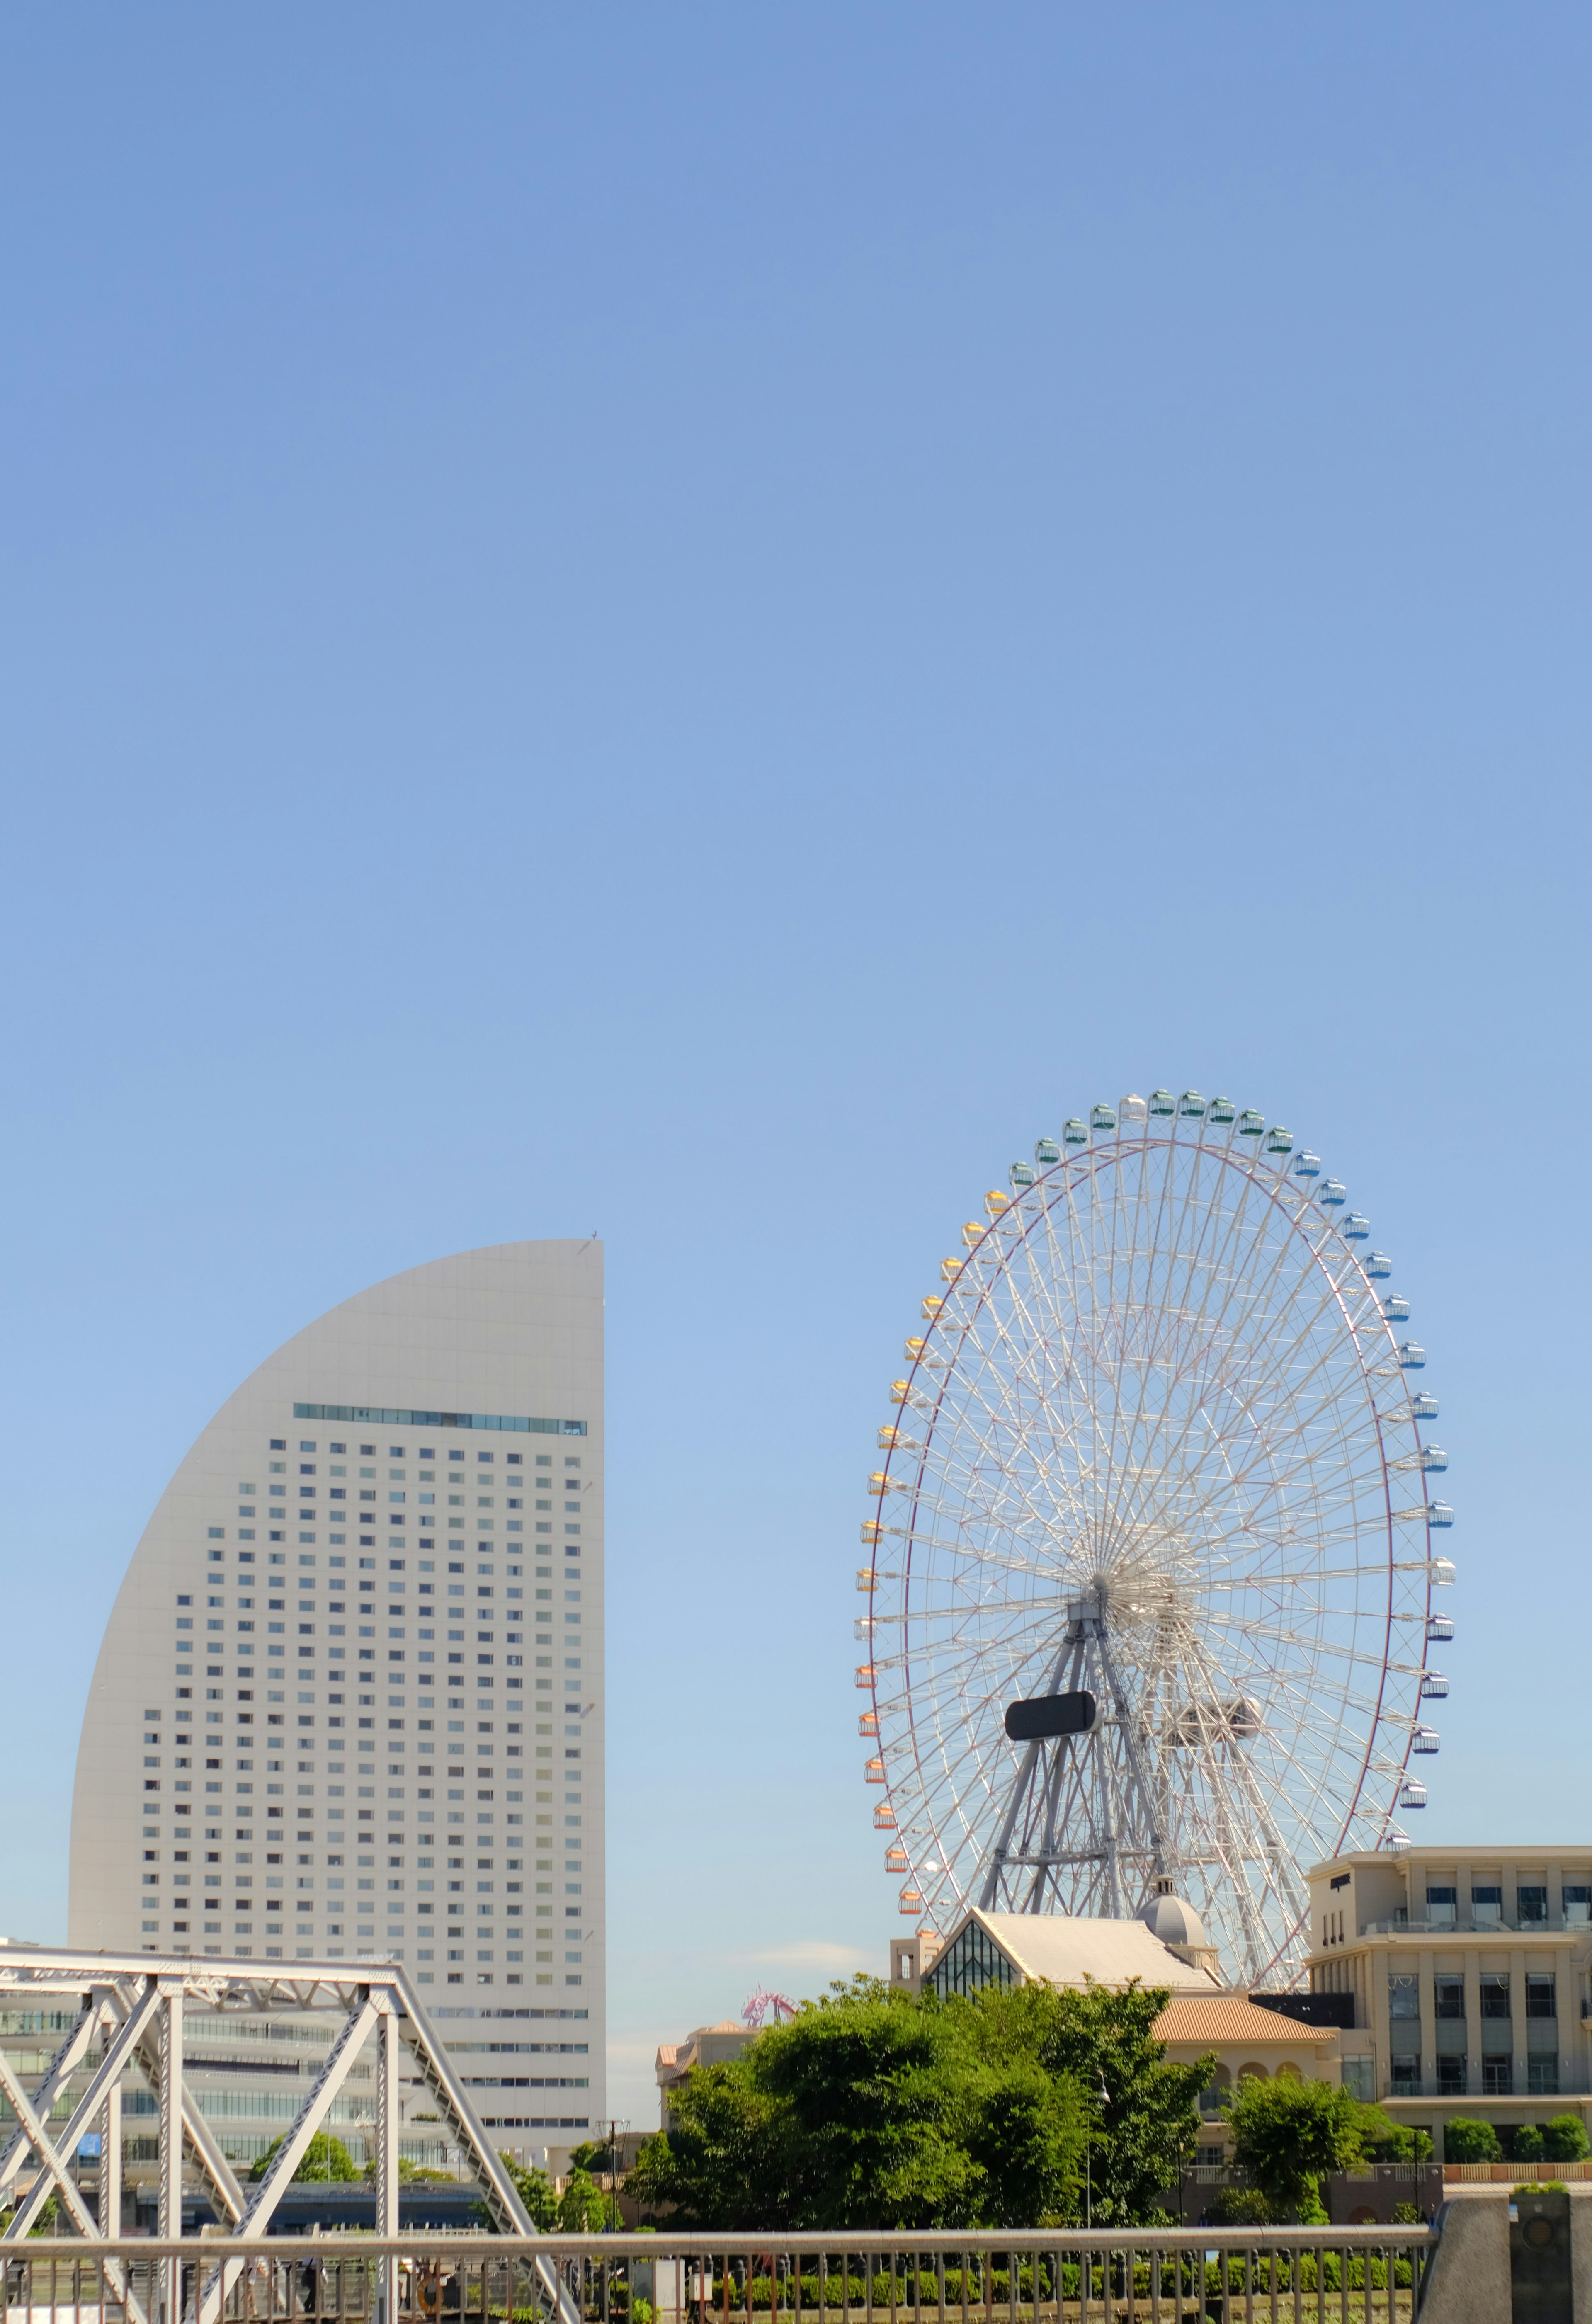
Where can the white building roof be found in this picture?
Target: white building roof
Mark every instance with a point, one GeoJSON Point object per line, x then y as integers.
{"type": "Point", "coordinates": [1051, 1947]}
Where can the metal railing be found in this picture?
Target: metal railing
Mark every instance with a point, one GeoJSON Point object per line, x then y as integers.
{"type": "Point", "coordinates": [1475, 2086]}
{"type": "Point", "coordinates": [1336, 2275]}
{"type": "Point", "coordinates": [1478, 1924]}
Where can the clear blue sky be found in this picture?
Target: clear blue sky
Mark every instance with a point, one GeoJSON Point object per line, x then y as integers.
{"type": "Point", "coordinates": [698, 623]}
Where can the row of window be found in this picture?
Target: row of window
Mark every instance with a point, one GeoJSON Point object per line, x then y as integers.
{"type": "Point", "coordinates": [426, 1523]}
{"type": "Point", "coordinates": [392, 1416]}
{"type": "Point", "coordinates": [1532, 1902]}
{"type": "Point", "coordinates": [483, 1590]}
{"type": "Point", "coordinates": [1453, 2079]}
{"type": "Point", "coordinates": [571, 1461]}
{"type": "Point", "coordinates": [1495, 1991]}
{"type": "Point", "coordinates": [366, 1566]}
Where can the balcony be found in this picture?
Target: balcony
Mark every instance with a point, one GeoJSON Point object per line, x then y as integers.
{"type": "Point", "coordinates": [1472, 2091]}
{"type": "Point", "coordinates": [1490, 1924]}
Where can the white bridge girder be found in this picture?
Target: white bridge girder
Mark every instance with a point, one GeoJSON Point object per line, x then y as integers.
{"type": "Point", "coordinates": [131, 2007]}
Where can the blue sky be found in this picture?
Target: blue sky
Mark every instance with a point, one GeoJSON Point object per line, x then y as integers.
{"type": "Point", "coordinates": [698, 623]}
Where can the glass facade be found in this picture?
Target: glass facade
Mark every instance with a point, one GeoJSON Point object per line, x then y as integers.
{"type": "Point", "coordinates": [970, 1962]}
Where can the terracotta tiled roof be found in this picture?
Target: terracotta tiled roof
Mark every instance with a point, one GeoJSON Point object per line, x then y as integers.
{"type": "Point", "coordinates": [667, 2051]}
{"type": "Point", "coordinates": [1223, 2017]}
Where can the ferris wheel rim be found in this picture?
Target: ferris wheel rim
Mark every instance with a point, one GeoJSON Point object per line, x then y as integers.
{"type": "Point", "coordinates": [1306, 1225]}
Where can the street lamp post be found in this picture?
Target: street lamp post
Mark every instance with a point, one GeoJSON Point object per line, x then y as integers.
{"type": "Point", "coordinates": [1103, 2100]}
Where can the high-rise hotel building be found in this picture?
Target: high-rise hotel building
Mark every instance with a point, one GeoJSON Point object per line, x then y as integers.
{"type": "Point", "coordinates": [350, 1697]}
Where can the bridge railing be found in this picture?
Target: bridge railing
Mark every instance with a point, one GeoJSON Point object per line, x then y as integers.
{"type": "Point", "coordinates": [1338, 2275]}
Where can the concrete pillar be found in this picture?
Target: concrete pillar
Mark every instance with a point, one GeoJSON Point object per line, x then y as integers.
{"type": "Point", "coordinates": [1467, 2281]}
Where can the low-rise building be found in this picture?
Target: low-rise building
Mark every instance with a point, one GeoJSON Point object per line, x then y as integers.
{"type": "Point", "coordinates": [1014, 1948]}
{"type": "Point", "coordinates": [1469, 1971]}
{"type": "Point", "coordinates": [705, 2046]}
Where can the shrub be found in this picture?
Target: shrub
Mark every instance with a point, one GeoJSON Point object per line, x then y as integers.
{"type": "Point", "coordinates": [1240, 2206]}
{"type": "Point", "coordinates": [1527, 2144]}
{"type": "Point", "coordinates": [1466, 2140]}
{"type": "Point", "coordinates": [1564, 2139]}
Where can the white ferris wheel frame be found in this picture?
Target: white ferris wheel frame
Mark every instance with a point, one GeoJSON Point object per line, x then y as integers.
{"type": "Point", "coordinates": [1204, 1769]}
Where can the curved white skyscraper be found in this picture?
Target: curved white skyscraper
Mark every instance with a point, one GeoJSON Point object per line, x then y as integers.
{"type": "Point", "coordinates": [350, 1696]}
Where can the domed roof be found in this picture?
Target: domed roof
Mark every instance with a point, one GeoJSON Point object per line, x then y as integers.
{"type": "Point", "coordinates": [1173, 1921]}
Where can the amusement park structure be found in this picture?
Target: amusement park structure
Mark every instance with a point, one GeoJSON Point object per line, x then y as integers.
{"type": "Point", "coordinates": [1154, 1552]}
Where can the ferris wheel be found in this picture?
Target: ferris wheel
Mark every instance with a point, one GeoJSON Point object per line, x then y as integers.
{"type": "Point", "coordinates": [1152, 1545]}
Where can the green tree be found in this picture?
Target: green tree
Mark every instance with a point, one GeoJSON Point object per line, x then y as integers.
{"type": "Point", "coordinates": [1289, 2136]}
{"type": "Point", "coordinates": [583, 2208]}
{"type": "Point", "coordinates": [325, 2157]}
{"type": "Point", "coordinates": [864, 2089]}
{"type": "Point", "coordinates": [1466, 2140]}
{"type": "Point", "coordinates": [721, 2162]}
{"type": "Point", "coordinates": [1025, 2131]}
{"type": "Point", "coordinates": [1386, 2141]}
{"type": "Point", "coordinates": [1526, 2146]}
{"type": "Point", "coordinates": [878, 2108]}
{"type": "Point", "coordinates": [1564, 2139]}
{"type": "Point", "coordinates": [1098, 2036]}
{"type": "Point", "coordinates": [536, 2191]}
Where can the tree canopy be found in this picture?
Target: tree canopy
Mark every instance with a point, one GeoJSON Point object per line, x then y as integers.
{"type": "Point", "coordinates": [872, 2107]}
{"type": "Point", "coordinates": [536, 2191]}
{"type": "Point", "coordinates": [325, 2157]}
{"type": "Point", "coordinates": [1290, 2136]}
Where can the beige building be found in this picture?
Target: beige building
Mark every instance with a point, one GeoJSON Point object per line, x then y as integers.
{"type": "Point", "coordinates": [1013, 1947]}
{"type": "Point", "coordinates": [1470, 1973]}
{"type": "Point", "coordinates": [706, 2045]}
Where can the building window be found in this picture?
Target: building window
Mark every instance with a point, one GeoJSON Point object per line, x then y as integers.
{"type": "Point", "coordinates": [1532, 1907]}
{"type": "Point", "coordinates": [1450, 1997]}
{"type": "Point", "coordinates": [1486, 1907]}
{"type": "Point", "coordinates": [1442, 1906]}
{"type": "Point", "coordinates": [1404, 1996]}
{"type": "Point", "coordinates": [1213, 2099]}
{"type": "Point", "coordinates": [1542, 2077]}
{"type": "Point", "coordinates": [1359, 2078]}
{"type": "Point", "coordinates": [1497, 2077]}
{"type": "Point", "coordinates": [1495, 1994]}
{"type": "Point", "coordinates": [1541, 1995]}
{"type": "Point", "coordinates": [974, 1961]}
{"type": "Point", "coordinates": [1450, 2078]}
{"type": "Point", "coordinates": [1578, 1907]}
{"type": "Point", "coordinates": [1406, 2077]}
